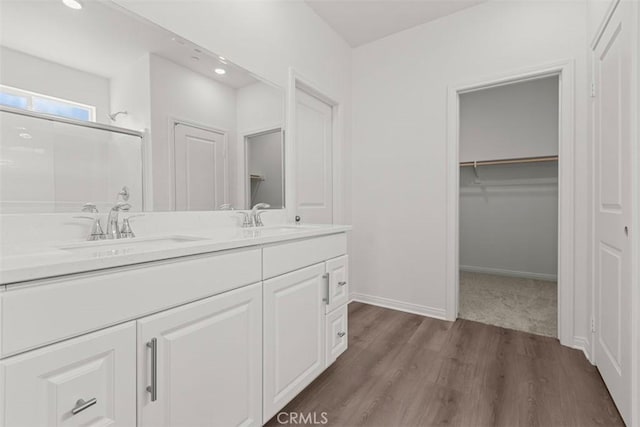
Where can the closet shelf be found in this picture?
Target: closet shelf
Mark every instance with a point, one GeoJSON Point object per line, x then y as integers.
{"type": "Point", "coordinates": [510, 161]}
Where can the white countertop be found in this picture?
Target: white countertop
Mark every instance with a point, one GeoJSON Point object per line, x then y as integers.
{"type": "Point", "coordinates": [32, 262]}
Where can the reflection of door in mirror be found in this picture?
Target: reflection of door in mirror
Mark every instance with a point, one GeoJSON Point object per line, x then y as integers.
{"type": "Point", "coordinates": [200, 168]}
{"type": "Point", "coordinates": [314, 174]}
{"type": "Point", "coordinates": [265, 169]}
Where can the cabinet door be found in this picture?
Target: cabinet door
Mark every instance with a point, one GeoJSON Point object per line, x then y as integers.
{"type": "Point", "coordinates": [337, 333]}
{"type": "Point", "coordinates": [86, 381]}
{"type": "Point", "coordinates": [293, 335]}
{"type": "Point", "coordinates": [338, 270]}
{"type": "Point", "coordinates": [207, 364]}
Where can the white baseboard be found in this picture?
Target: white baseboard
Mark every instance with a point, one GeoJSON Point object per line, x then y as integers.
{"type": "Point", "coordinates": [510, 273]}
{"type": "Point", "coordinates": [393, 304]}
{"type": "Point", "coordinates": [581, 343]}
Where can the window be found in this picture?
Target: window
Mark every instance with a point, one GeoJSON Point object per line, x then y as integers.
{"type": "Point", "coordinates": [25, 100]}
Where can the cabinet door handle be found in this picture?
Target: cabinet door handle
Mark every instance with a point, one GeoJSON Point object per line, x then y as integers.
{"type": "Point", "coordinates": [342, 283]}
{"type": "Point", "coordinates": [153, 388]}
{"type": "Point", "coordinates": [327, 299]}
{"type": "Point", "coordinates": [81, 405]}
{"type": "Point", "coordinates": [341, 334]}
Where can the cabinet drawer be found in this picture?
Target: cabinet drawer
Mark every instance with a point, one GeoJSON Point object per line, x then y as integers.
{"type": "Point", "coordinates": [44, 387]}
{"type": "Point", "coordinates": [338, 292]}
{"type": "Point", "coordinates": [283, 258]}
{"type": "Point", "coordinates": [57, 309]}
{"type": "Point", "coordinates": [337, 333]}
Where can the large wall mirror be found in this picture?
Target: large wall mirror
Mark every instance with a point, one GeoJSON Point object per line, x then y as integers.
{"type": "Point", "coordinates": [94, 99]}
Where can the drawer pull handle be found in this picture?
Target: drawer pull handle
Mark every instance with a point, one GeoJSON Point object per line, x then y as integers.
{"type": "Point", "coordinates": [342, 283]}
{"type": "Point", "coordinates": [153, 388]}
{"type": "Point", "coordinates": [341, 334]}
{"type": "Point", "coordinates": [81, 405]}
{"type": "Point", "coordinates": [327, 298]}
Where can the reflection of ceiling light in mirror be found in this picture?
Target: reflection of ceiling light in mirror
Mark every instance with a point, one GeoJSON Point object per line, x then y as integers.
{"type": "Point", "coordinates": [222, 58]}
{"type": "Point", "coordinates": [25, 135]}
{"type": "Point", "coordinates": [195, 58]}
{"type": "Point", "coordinates": [220, 71]}
{"type": "Point", "coordinates": [73, 4]}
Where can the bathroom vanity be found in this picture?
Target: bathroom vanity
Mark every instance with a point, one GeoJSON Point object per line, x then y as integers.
{"type": "Point", "coordinates": [221, 327]}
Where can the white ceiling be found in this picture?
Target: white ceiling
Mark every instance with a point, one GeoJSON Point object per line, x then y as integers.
{"type": "Point", "coordinates": [363, 21]}
{"type": "Point", "coordinates": [101, 39]}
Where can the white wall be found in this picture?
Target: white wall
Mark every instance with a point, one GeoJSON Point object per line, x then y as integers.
{"type": "Point", "coordinates": [510, 121]}
{"type": "Point", "coordinates": [509, 222]}
{"type": "Point", "coordinates": [179, 93]}
{"type": "Point", "coordinates": [400, 88]}
{"type": "Point", "coordinates": [28, 72]}
{"type": "Point", "coordinates": [268, 37]}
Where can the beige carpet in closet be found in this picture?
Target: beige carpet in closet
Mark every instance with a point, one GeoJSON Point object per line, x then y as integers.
{"type": "Point", "coordinates": [510, 302]}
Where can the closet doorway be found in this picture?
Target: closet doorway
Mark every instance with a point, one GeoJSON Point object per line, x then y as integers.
{"type": "Point", "coordinates": [510, 145]}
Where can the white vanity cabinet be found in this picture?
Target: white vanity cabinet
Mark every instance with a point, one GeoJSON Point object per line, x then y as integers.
{"type": "Point", "coordinates": [201, 364]}
{"type": "Point", "coordinates": [293, 335]}
{"type": "Point", "coordinates": [305, 315]}
{"type": "Point", "coordinates": [89, 380]}
{"type": "Point", "coordinates": [223, 338]}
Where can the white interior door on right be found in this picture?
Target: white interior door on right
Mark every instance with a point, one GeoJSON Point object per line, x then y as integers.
{"type": "Point", "coordinates": [200, 168]}
{"type": "Point", "coordinates": [314, 175]}
{"type": "Point", "coordinates": [613, 126]}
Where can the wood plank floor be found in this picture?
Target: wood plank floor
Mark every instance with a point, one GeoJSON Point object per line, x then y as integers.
{"type": "Point", "coordinates": [407, 370]}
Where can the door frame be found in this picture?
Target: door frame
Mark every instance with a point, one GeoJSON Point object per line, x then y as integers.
{"type": "Point", "coordinates": [566, 141]}
{"type": "Point", "coordinates": [298, 81]}
{"type": "Point", "coordinates": [173, 121]}
{"type": "Point", "coordinates": [246, 183]}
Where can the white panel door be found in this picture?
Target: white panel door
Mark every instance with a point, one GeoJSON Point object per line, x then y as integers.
{"type": "Point", "coordinates": [293, 335]}
{"type": "Point", "coordinates": [209, 363]}
{"type": "Point", "coordinates": [200, 168]}
{"type": "Point", "coordinates": [314, 175]}
{"type": "Point", "coordinates": [613, 207]}
{"type": "Point", "coordinates": [86, 381]}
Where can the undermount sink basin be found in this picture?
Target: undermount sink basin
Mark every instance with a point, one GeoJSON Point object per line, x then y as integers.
{"type": "Point", "coordinates": [122, 246]}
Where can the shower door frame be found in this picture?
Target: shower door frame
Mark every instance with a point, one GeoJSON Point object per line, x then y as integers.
{"type": "Point", "coordinates": [566, 189]}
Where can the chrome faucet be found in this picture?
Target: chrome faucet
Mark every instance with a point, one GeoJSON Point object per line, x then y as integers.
{"type": "Point", "coordinates": [256, 211]}
{"type": "Point", "coordinates": [113, 230]}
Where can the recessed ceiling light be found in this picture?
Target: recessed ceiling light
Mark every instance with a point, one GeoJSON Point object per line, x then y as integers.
{"type": "Point", "coordinates": [222, 58]}
{"type": "Point", "coordinates": [220, 71]}
{"type": "Point", "coordinates": [73, 4]}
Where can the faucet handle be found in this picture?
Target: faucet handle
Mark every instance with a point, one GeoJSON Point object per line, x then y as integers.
{"type": "Point", "coordinates": [96, 233]}
{"type": "Point", "coordinates": [246, 219]}
{"type": "Point", "coordinates": [259, 222]}
{"type": "Point", "coordinates": [126, 232]}
{"type": "Point", "coordinates": [89, 207]}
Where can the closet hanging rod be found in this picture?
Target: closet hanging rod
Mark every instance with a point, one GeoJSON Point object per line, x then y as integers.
{"type": "Point", "coordinates": [510, 161]}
